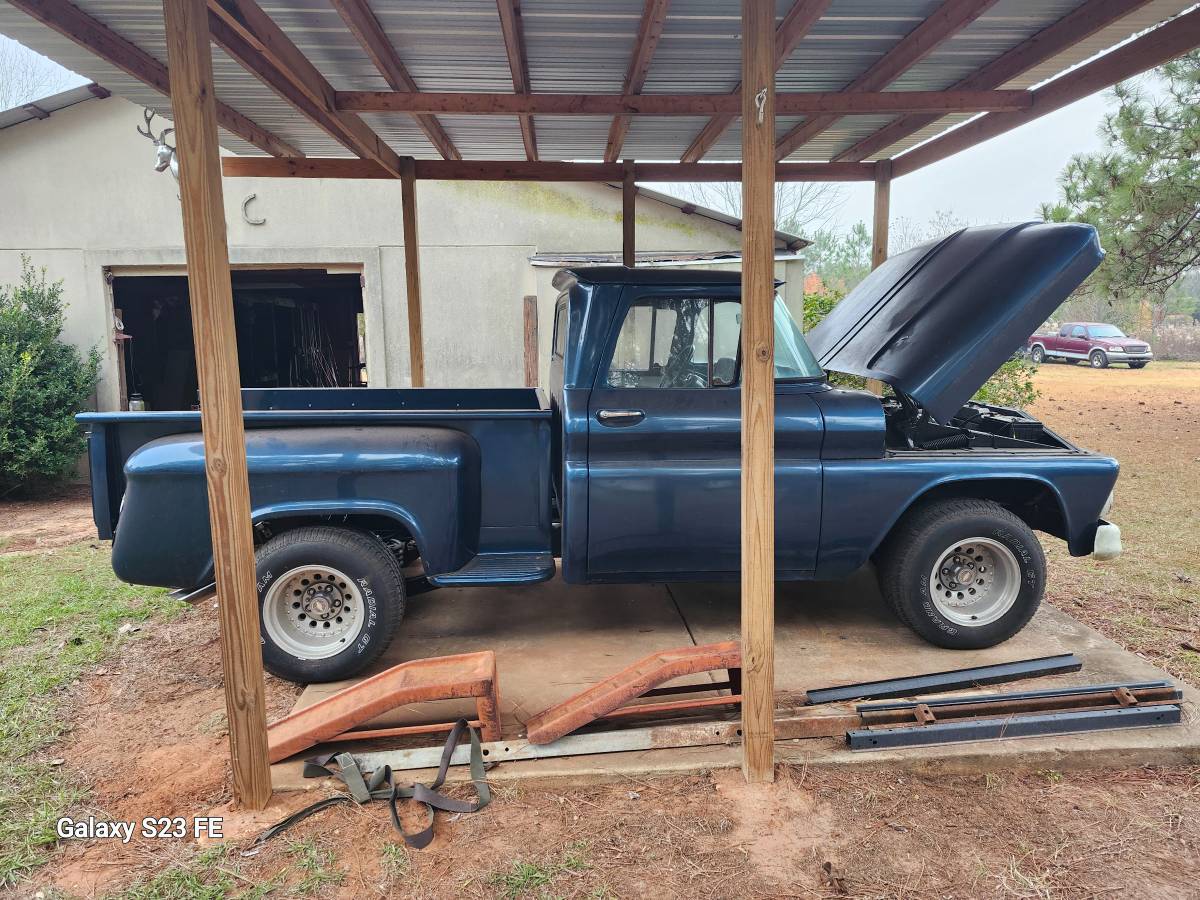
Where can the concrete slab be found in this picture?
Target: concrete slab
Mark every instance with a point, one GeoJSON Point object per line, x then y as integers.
{"type": "Point", "coordinates": [553, 640]}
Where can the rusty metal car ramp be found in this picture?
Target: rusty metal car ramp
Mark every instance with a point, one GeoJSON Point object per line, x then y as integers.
{"type": "Point", "coordinates": [613, 697]}
{"type": "Point", "coordinates": [465, 675]}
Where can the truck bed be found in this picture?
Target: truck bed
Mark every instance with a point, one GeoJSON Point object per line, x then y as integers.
{"type": "Point", "coordinates": [510, 426]}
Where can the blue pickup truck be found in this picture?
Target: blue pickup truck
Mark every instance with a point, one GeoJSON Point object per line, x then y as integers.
{"type": "Point", "coordinates": [630, 471]}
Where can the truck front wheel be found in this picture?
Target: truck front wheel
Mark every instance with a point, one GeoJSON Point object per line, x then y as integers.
{"type": "Point", "coordinates": [329, 601]}
{"type": "Point", "coordinates": [963, 573]}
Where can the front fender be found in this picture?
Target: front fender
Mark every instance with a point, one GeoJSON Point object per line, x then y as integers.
{"type": "Point", "coordinates": [424, 479]}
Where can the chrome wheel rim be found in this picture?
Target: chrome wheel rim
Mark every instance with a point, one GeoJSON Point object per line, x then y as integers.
{"type": "Point", "coordinates": [975, 582]}
{"type": "Point", "coordinates": [1097, 361]}
{"type": "Point", "coordinates": [313, 612]}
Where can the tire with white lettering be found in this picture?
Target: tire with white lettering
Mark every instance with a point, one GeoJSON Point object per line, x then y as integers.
{"type": "Point", "coordinates": [963, 573]}
{"type": "Point", "coordinates": [329, 599]}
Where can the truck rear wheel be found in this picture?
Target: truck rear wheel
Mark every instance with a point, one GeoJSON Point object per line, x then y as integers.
{"type": "Point", "coordinates": [963, 573]}
{"type": "Point", "coordinates": [329, 600]}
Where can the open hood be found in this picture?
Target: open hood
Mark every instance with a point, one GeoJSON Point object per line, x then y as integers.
{"type": "Point", "coordinates": [937, 321]}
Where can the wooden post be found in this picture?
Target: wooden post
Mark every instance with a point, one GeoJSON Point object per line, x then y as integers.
{"type": "Point", "coordinates": [531, 341]}
{"type": "Point", "coordinates": [628, 215]}
{"type": "Point", "coordinates": [412, 270]}
{"type": "Point", "coordinates": [879, 233]}
{"type": "Point", "coordinates": [758, 390]}
{"type": "Point", "coordinates": [211, 294]}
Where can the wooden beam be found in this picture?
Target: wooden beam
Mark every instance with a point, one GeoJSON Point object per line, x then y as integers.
{"type": "Point", "coordinates": [628, 216]}
{"type": "Point", "coordinates": [1169, 40]}
{"type": "Point", "coordinates": [530, 316]}
{"type": "Point", "coordinates": [211, 294]}
{"type": "Point", "coordinates": [945, 22]}
{"type": "Point", "coordinates": [412, 271]}
{"type": "Point", "coordinates": [1079, 24]}
{"type": "Point", "coordinates": [758, 392]}
{"type": "Point", "coordinates": [100, 40]}
{"type": "Point", "coordinates": [799, 20]}
{"type": "Point", "coordinates": [363, 24]}
{"type": "Point", "coordinates": [306, 87]}
{"type": "Point", "coordinates": [518, 64]}
{"type": "Point", "coordinates": [523, 170]}
{"type": "Point", "coordinates": [882, 212]}
{"type": "Point", "coordinates": [649, 31]}
{"type": "Point", "coordinates": [624, 106]}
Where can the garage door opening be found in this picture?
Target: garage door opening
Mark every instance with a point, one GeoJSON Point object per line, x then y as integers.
{"type": "Point", "coordinates": [295, 328]}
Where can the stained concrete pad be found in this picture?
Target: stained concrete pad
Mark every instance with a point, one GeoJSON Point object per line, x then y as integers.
{"type": "Point", "coordinates": [553, 640]}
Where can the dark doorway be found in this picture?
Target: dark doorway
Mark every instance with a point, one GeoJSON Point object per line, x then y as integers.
{"type": "Point", "coordinates": [295, 328]}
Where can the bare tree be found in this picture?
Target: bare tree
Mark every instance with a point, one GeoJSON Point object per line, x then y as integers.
{"type": "Point", "coordinates": [800, 206]}
{"type": "Point", "coordinates": [26, 76]}
{"type": "Point", "coordinates": [904, 233]}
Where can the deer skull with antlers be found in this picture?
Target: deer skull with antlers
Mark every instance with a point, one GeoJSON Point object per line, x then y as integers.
{"type": "Point", "coordinates": [166, 153]}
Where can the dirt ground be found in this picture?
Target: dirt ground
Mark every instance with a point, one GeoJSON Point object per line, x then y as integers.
{"type": "Point", "coordinates": [149, 738]}
{"type": "Point", "coordinates": [57, 521]}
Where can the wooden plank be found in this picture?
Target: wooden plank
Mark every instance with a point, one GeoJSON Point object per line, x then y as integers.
{"type": "Point", "coordinates": [363, 24]}
{"type": "Point", "coordinates": [97, 38]}
{"type": "Point", "coordinates": [879, 233]}
{"type": "Point", "coordinates": [649, 31]}
{"type": "Point", "coordinates": [628, 216]}
{"type": "Point", "coordinates": [945, 22]}
{"type": "Point", "coordinates": [211, 293]}
{"type": "Point", "coordinates": [304, 82]}
{"type": "Point", "coordinates": [1169, 40]}
{"type": "Point", "coordinates": [522, 170]}
{"type": "Point", "coordinates": [530, 323]}
{"type": "Point", "coordinates": [518, 64]}
{"type": "Point", "coordinates": [758, 391]}
{"type": "Point", "coordinates": [799, 20]}
{"type": "Point", "coordinates": [1079, 24]}
{"type": "Point", "coordinates": [627, 105]}
{"type": "Point", "coordinates": [412, 270]}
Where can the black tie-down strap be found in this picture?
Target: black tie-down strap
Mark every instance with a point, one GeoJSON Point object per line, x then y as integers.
{"type": "Point", "coordinates": [381, 785]}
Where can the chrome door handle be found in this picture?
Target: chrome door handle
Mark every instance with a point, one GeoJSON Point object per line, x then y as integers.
{"type": "Point", "coordinates": [618, 417]}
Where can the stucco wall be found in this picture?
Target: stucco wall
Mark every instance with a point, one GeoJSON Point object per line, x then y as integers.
{"type": "Point", "coordinates": [80, 195]}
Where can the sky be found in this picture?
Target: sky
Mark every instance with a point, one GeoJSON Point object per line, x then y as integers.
{"type": "Point", "coordinates": [1002, 180]}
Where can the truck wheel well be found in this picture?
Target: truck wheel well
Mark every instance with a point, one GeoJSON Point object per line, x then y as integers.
{"type": "Point", "coordinates": [1032, 502]}
{"type": "Point", "coordinates": [388, 530]}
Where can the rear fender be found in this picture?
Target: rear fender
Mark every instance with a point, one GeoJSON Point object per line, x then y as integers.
{"type": "Point", "coordinates": [426, 480]}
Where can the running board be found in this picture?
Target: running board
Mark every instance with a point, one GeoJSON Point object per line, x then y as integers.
{"type": "Point", "coordinates": [439, 678]}
{"type": "Point", "coordinates": [609, 698]}
{"type": "Point", "coordinates": [500, 568]}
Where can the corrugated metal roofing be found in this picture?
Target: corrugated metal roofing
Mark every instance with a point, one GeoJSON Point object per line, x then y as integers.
{"type": "Point", "coordinates": [584, 46]}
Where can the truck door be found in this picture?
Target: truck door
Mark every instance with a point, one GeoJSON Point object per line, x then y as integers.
{"type": "Point", "coordinates": [1076, 342]}
{"type": "Point", "coordinates": [664, 436]}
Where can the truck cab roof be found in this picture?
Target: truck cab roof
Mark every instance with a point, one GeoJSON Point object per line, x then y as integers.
{"type": "Point", "coordinates": [646, 276]}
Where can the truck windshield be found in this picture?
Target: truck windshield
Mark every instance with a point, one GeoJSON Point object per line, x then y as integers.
{"type": "Point", "coordinates": [1105, 331]}
{"type": "Point", "coordinates": [793, 359]}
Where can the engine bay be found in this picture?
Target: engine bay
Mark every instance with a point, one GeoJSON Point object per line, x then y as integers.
{"type": "Point", "coordinates": [976, 426]}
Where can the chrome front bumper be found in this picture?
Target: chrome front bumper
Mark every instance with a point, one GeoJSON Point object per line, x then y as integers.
{"type": "Point", "coordinates": [1123, 356]}
{"type": "Point", "coordinates": [1108, 541]}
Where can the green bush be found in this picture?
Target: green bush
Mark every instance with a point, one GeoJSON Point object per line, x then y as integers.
{"type": "Point", "coordinates": [1012, 385]}
{"type": "Point", "coordinates": [43, 383]}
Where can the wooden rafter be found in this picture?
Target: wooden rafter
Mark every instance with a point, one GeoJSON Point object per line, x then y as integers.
{"type": "Point", "coordinates": [366, 28]}
{"type": "Point", "coordinates": [799, 20]}
{"type": "Point", "coordinates": [100, 40]}
{"type": "Point", "coordinates": [518, 63]}
{"type": "Point", "coordinates": [627, 105]}
{"type": "Point", "coordinates": [535, 170]}
{"type": "Point", "coordinates": [649, 31]}
{"type": "Point", "coordinates": [1162, 44]}
{"type": "Point", "coordinates": [1079, 24]}
{"type": "Point", "coordinates": [280, 63]}
{"type": "Point", "coordinates": [945, 22]}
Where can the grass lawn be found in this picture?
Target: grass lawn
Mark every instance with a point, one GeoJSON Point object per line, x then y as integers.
{"type": "Point", "coordinates": [62, 611]}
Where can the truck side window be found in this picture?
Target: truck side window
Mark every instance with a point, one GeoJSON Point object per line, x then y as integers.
{"type": "Point", "coordinates": [560, 327]}
{"type": "Point", "coordinates": [1079, 331]}
{"type": "Point", "coordinates": [666, 343]}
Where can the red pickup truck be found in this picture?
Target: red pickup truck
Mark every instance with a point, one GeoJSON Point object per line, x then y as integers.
{"type": "Point", "coordinates": [1099, 344]}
